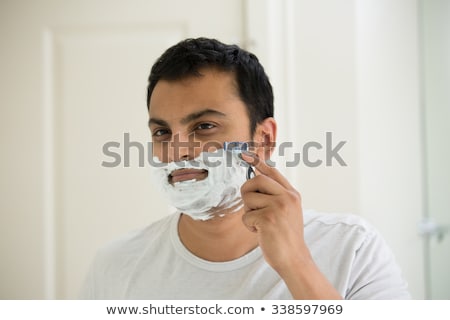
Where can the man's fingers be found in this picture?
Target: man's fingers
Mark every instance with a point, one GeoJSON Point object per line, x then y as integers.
{"type": "Point", "coordinates": [265, 169]}
{"type": "Point", "coordinates": [256, 201]}
{"type": "Point", "coordinates": [254, 219]}
{"type": "Point", "coordinates": [262, 184]}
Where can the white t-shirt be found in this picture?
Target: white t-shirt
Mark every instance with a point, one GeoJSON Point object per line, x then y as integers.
{"type": "Point", "coordinates": [152, 263]}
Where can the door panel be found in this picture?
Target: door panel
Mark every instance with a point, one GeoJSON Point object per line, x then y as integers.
{"type": "Point", "coordinates": [99, 86]}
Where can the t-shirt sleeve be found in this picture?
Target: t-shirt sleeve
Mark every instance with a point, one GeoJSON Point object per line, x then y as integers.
{"type": "Point", "coordinates": [375, 273]}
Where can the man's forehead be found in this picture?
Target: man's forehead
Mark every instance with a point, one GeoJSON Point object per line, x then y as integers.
{"type": "Point", "coordinates": [210, 83]}
{"type": "Point", "coordinates": [212, 94]}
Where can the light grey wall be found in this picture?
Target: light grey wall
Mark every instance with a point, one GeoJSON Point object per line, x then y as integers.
{"type": "Point", "coordinates": [351, 68]}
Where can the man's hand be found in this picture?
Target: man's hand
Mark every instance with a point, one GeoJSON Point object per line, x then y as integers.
{"type": "Point", "coordinates": [273, 210]}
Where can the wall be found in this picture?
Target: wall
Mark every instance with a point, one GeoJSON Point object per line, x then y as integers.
{"type": "Point", "coordinates": [389, 128]}
{"type": "Point", "coordinates": [352, 68]}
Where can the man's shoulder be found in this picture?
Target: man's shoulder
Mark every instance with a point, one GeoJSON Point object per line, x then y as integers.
{"type": "Point", "coordinates": [346, 220]}
{"type": "Point", "coordinates": [339, 235]}
{"type": "Point", "coordinates": [115, 262]}
{"type": "Point", "coordinates": [135, 241]}
{"type": "Point", "coordinates": [337, 225]}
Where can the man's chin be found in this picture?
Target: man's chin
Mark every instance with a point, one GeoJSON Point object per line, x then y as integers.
{"type": "Point", "coordinates": [216, 213]}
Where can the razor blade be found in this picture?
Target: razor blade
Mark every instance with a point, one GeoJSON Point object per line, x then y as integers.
{"type": "Point", "coordinates": [237, 147]}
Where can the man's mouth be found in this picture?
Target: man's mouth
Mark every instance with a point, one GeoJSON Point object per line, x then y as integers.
{"type": "Point", "coordinates": [180, 175]}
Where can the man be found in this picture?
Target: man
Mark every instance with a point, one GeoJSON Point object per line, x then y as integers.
{"type": "Point", "coordinates": [232, 237]}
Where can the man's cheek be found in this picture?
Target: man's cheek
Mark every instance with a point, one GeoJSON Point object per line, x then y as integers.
{"type": "Point", "coordinates": [212, 146]}
{"type": "Point", "coordinates": [160, 150]}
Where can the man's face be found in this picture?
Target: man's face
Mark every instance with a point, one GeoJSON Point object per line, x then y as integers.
{"type": "Point", "coordinates": [193, 115]}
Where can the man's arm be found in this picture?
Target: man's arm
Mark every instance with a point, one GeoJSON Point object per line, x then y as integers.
{"type": "Point", "coordinates": [273, 210]}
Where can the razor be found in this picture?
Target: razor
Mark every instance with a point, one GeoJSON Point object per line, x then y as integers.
{"type": "Point", "coordinates": [237, 147]}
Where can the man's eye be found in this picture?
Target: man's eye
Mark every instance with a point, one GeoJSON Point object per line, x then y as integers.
{"type": "Point", "coordinates": [160, 132]}
{"type": "Point", "coordinates": [204, 126]}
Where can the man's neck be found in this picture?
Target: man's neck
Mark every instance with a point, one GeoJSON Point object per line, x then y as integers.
{"type": "Point", "coordinates": [219, 239]}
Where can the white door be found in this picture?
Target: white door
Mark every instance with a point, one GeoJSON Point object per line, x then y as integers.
{"type": "Point", "coordinates": [73, 77]}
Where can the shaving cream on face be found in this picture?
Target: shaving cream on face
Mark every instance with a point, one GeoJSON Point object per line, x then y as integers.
{"type": "Point", "coordinates": [217, 194]}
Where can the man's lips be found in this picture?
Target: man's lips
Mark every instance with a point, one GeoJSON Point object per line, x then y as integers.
{"type": "Point", "coordinates": [187, 174]}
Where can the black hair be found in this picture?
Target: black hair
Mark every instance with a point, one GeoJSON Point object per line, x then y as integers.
{"type": "Point", "coordinates": [187, 57]}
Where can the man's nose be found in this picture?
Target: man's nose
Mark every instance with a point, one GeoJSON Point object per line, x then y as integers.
{"type": "Point", "coordinates": [183, 147]}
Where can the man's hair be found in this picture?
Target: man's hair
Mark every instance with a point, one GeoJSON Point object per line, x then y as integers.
{"type": "Point", "coordinates": [186, 58]}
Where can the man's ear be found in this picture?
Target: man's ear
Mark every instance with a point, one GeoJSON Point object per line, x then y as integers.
{"type": "Point", "coordinates": [265, 137]}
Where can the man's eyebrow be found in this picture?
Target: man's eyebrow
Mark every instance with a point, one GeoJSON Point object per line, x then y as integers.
{"type": "Point", "coordinates": [189, 118]}
{"type": "Point", "coordinates": [157, 121]}
{"type": "Point", "coordinates": [206, 112]}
